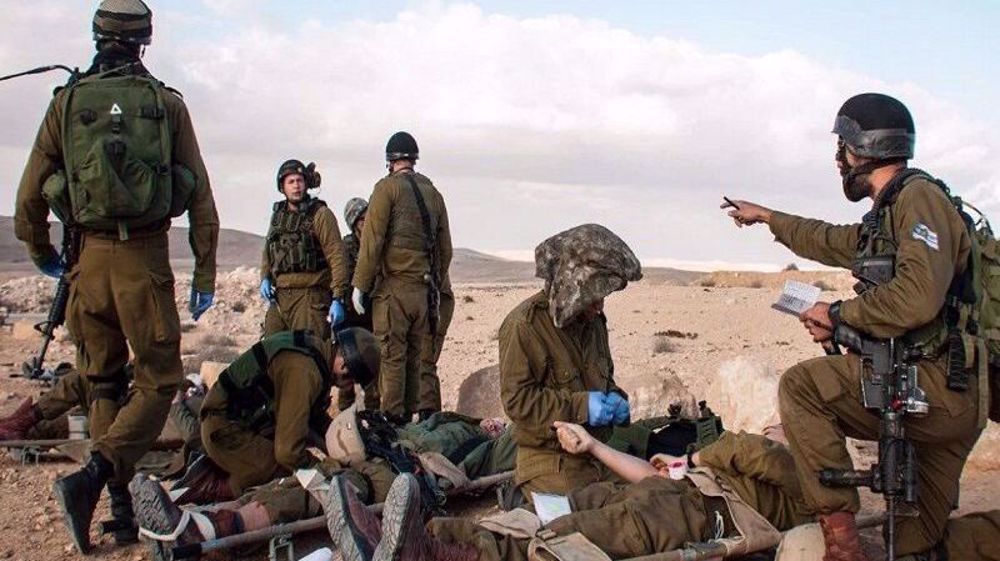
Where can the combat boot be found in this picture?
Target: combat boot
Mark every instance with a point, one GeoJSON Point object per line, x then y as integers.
{"type": "Point", "coordinates": [203, 483]}
{"type": "Point", "coordinates": [840, 533]}
{"type": "Point", "coordinates": [17, 424]}
{"type": "Point", "coordinates": [78, 493]}
{"type": "Point", "coordinates": [354, 528]}
{"type": "Point", "coordinates": [161, 520]}
{"type": "Point", "coordinates": [122, 524]}
{"type": "Point", "coordinates": [404, 537]}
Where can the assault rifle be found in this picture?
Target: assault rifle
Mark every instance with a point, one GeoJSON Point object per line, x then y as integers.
{"type": "Point", "coordinates": [889, 386]}
{"type": "Point", "coordinates": [33, 369]}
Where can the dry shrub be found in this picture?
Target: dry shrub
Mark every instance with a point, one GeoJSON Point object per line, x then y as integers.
{"type": "Point", "coordinates": [676, 334]}
{"type": "Point", "coordinates": [468, 299]}
{"type": "Point", "coordinates": [707, 282]}
{"type": "Point", "coordinates": [663, 344]}
{"type": "Point", "coordinates": [756, 284]}
{"type": "Point", "coordinates": [217, 340]}
{"type": "Point", "coordinates": [791, 267]}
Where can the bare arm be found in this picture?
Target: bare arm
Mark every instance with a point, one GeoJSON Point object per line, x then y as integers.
{"type": "Point", "coordinates": [576, 440]}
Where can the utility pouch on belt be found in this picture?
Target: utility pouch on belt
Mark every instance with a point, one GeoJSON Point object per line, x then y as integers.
{"type": "Point", "coordinates": [430, 246]}
{"type": "Point", "coordinates": [574, 547]}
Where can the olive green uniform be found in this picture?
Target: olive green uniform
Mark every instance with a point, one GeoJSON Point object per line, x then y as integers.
{"type": "Point", "coordinates": [352, 245]}
{"type": "Point", "coordinates": [545, 374]}
{"type": "Point", "coordinates": [122, 293]}
{"type": "Point", "coordinates": [820, 399]}
{"type": "Point", "coordinates": [255, 455]}
{"type": "Point", "coordinates": [303, 297]}
{"type": "Point", "coordinates": [69, 393]}
{"type": "Point", "coordinates": [393, 245]}
{"type": "Point", "coordinates": [659, 514]}
{"type": "Point", "coordinates": [430, 383]}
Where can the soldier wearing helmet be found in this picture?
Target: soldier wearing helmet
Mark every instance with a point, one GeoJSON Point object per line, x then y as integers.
{"type": "Point", "coordinates": [908, 251]}
{"type": "Point", "coordinates": [116, 158]}
{"type": "Point", "coordinates": [406, 240]}
{"type": "Point", "coordinates": [304, 268]}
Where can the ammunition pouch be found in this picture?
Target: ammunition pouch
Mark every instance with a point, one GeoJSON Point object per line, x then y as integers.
{"type": "Point", "coordinates": [574, 547]}
{"type": "Point", "coordinates": [291, 246]}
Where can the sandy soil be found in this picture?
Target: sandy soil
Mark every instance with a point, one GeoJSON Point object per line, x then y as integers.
{"type": "Point", "coordinates": [671, 343]}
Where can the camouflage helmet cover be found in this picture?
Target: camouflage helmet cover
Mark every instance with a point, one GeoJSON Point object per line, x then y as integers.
{"type": "Point", "coordinates": [129, 21]}
{"type": "Point", "coordinates": [353, 211]}
{"type": "Point", "coordinates": [581, 266]}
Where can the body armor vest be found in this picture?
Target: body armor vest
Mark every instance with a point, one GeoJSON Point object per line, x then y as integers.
{"type": "Point", "coordinates": [250, 391]}
{"type": "Point", "coordinates": [291, 245]}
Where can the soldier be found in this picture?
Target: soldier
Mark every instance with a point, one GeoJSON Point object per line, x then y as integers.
{"type": "Point", "coordinates": [429, 400]}
{"type": "Point", "coordinates": [115, 159]}
{"type": "Point", "coordinates": [555, 363]}
{"type": "Point", "coordinates": [354, 218]}
{"type": "Point", "coordinates": [303, 269]}
{"type": "Point", "coordinates": [405, 239]}
{"type": "Point", "coordinates": [923, 246]}
{"type": "Point", "coordinates": [258, 418]}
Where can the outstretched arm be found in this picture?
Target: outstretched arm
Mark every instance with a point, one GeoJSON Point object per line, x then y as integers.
{"type": "Point", "coordinates": [576, 440]}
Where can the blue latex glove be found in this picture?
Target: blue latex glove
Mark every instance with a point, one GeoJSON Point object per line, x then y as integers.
{"type": "Point", "coordinates": [199, 303]}
{"type": "Point", "coordinates": [619, 408]}
{"type": "Point", "coordinates": [50, 264]}
{"type": "Point", "coordinates": [267, 289]}
{"type": "Point", "coordinates": [598, 413]}
{"type": "Point", "coordinates": [336, 315]}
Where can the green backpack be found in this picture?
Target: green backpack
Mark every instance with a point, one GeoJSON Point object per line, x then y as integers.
{"type": "Point", "coordinates": [117, 153]}
{"type": "Point", "coordinates": [986, 262]}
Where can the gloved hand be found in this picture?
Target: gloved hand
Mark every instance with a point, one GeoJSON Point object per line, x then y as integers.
{"type": "Point", "coordinates": [267, 289]}
{"type": "Point", "coordinates": [619, 408]}
{"type": "Point", "coordinates": [358, 299]}
{"type": "Point", "coordinates": [48, 262]}
{"type": "Point", "coordinates": [199, 302]}
{"type": "Point", "coordinates": [337, 314]}
{"type": "Point", "coordinates": [598, 412]}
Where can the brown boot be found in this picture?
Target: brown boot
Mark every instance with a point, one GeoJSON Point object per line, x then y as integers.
{"type": "Point", "coordinates": [17, 424]}
{"type": "Point", "coordinates": [354, 528]}
{"type": "Point", "coordinates": [840, 532]}
{"type": "Point", "coordinates": [403, 535]}
{"type": "Point", "coordinates": [203, 483]}
{"type": "Point", "coordinates": [159, 520]}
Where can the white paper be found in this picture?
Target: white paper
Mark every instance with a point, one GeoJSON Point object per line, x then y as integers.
{"type": "Point", "coordinates": [548, 507]}
{"type": "Point", "coordinates": [313, 481]}
{"type": "Point", "coordinates": [796, 297]}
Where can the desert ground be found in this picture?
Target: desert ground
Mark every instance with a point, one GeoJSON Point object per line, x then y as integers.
{"type": "Point", "coordinates": [714, 338]}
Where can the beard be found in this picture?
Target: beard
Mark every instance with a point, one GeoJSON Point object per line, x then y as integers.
{"type": "Point", "coordinates": [856, 187]}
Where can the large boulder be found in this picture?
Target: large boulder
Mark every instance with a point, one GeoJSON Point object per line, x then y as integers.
{"type": "Point", "coordinates": [479, 394]}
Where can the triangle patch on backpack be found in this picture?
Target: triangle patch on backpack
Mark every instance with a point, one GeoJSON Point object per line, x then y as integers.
{"type": "Point", "coordinates": [115, 110]}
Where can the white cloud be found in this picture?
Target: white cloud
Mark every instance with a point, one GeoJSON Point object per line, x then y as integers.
{"type": "Point", "coordinates": [528, 126]}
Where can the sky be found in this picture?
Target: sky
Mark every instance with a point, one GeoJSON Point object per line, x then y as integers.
{"type": "Point", "coordinates": [533, 117]}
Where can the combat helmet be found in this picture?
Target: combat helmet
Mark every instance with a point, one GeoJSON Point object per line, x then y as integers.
{"type": "Point", "coordinates": [128, 21]}
{"type": "Point", "coordinates": [401, 146]}
{"type": "Point", "coordinates": [343, 438]}
{"type": "Point", "coordinates": [288, 167]}
{"type": "Point", "coordinates": [876, 126]}
{"type": "Point", "coordinates": [353, 211]}
{"type": "Point", "coordinates": [361, 353]}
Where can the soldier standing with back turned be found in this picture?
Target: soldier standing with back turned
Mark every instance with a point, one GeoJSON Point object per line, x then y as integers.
{"type": "Point", "coordinates": [917, 236]}
{"type": "Point", "coordinates": [406, 239]}
{"type": "Point", "coordinates": [116, 158]}
{"type": "Point", "coordinates": [303, 270]}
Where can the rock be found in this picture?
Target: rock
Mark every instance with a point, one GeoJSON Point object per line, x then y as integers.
{"type": "Point", "coordinates": [986, 455]}
{"type": "Point", "coordinates": [25, 331]}
{"type": "Point", "coordinates": [479, 394]}
{"type": "Point", "coordinates": [745, 394]}
{"type": "Point", "coordinates": [210, 371]}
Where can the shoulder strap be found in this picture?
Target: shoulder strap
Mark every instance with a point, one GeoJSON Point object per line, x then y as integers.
{"type": "Point", "coordinates": [425, 218]}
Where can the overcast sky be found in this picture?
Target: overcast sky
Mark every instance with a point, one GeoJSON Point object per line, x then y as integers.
{"type": "Point", "coordinates": [534, 116]}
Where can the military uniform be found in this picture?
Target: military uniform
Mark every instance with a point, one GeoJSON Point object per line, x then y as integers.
{"type": "Point", "coordinates": [305, 257]}
{"type": "Point", "coordinates": [820, 399]}
{"type": "Point", "coordinates": [345, 397]}
{"type": "Point", "coordinates": [393, 244]}
{"type": "Point", "coordinates": [253, 447]}
{"type": "Point", "coordinates": [629, 521]}
{"type": "Point", "coordinates": [430, 383]}
{"type": "Point", "coordinates": [545, 374]}
{"type": "Point", "coordinates": [122, 292]}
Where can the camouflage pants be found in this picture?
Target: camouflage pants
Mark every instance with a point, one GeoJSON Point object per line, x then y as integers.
{"type": "Point", "coordinates": [122, 297]}
{"type": "Point", "coordinates": [299, 308]}
{"type": "Point", "coordinates": [430, 384]}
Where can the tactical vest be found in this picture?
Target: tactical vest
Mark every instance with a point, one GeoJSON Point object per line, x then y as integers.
{"type": "Point", "coordinates": [250, 391]}
{"type": "Point", "coordinates": [291, 245]}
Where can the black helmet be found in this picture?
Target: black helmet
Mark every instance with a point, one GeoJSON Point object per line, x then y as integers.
{"type": "Point", "coordinates": [128, 21]}
{"type": "Point", "coordinates": [312, 177]}
{"type": "Point", "coordinates": [401, 146]}
{"type": "Point", "coordinates": [876, 126]}
{"type": "Point", "coordinates": [361, 353]}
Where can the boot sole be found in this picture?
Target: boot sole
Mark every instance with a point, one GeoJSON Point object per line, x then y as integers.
{"type": "Point", "coordinates": [395, 519]}
{"type": "Point", "coordinates": [341, 527]}
{"type": "Point", "coordinates": [64, 498]}
{"type": "Point", "coordinates": [149, 501]}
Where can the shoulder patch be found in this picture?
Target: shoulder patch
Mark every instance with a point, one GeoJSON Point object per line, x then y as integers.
{"type": "Point", "coordinates": [924, 234]}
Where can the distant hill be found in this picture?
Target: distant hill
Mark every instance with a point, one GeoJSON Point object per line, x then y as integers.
{"type": "Point", "coordinates": [238, 248]}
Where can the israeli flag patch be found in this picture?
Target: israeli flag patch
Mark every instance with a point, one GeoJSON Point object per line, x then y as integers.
{"type": "Point", "coordinates": [924, 234]}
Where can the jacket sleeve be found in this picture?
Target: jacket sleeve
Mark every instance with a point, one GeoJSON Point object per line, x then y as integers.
{"type": "Point", "coordinates": [753, 456]}
{"type": "Point", "coordinates": [265, 263]}
{"type": "Point", "coordinates": [297, 384]}
{"type": "Point", "coordinates": [444, 248]}
{"type": "Point", "coordinates": [931, 241]}
{"type": "Point", "coordinates": [327, 231]}
{"type": "Point", "coordinates": [31, 212]}
{"type": "Point", "coordinates": [532, 406]}
{"type": "Point", "coordinates": [373, 237]}
{"type": "Point", "coordinates": [204, 219]}
{"type": "Point", "coordinates": [833, 245]}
